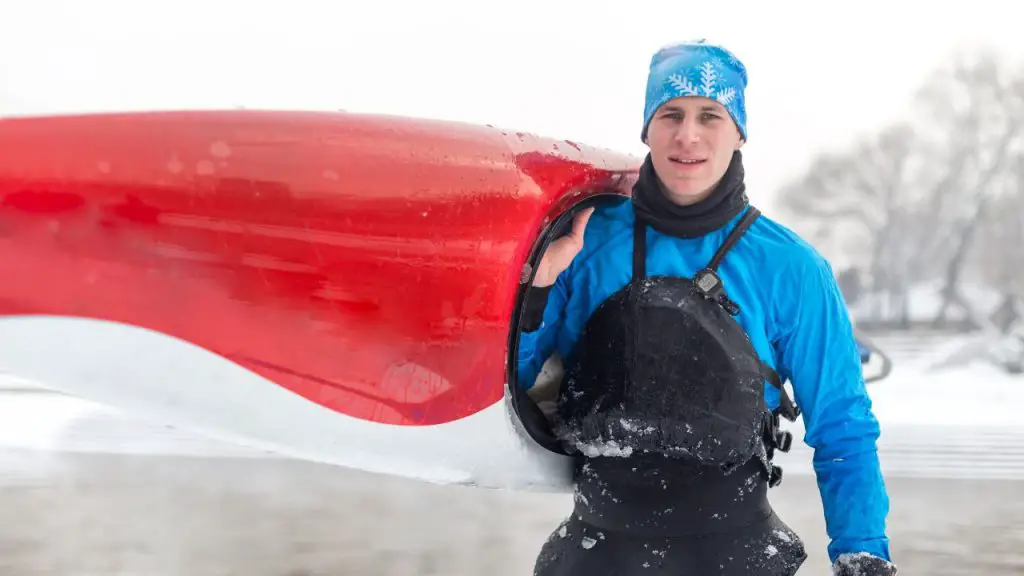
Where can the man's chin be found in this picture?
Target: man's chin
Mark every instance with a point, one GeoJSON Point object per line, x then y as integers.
{"type": "Point", "coordinates": [688, 189]}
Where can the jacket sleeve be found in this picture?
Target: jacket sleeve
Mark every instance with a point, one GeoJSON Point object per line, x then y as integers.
{"type": "Point", "coordinates": [542, 316]}
{"type": "Point", "coordinates": [817, 352]}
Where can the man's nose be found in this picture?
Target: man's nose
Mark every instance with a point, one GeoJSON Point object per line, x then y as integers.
{"type": "Point", "coordinates": [688, 132]}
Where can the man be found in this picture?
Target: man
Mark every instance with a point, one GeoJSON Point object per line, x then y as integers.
{"type": "Point", "coordinates": [679, 313]}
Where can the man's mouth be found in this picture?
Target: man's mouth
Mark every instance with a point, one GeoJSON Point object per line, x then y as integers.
{"type": "Point", "coordinates": [686, 161]}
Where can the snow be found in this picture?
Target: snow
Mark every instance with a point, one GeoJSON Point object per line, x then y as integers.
{"type": "Point", "coordinates": [930, 386]}
{"type": "Point", "coordinates": [978, 395]}
{"type": "Point", "coordinates": [608, 449]}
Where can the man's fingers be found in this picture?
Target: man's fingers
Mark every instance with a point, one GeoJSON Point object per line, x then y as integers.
{"type": "Point", "coordinates": [579, 224]}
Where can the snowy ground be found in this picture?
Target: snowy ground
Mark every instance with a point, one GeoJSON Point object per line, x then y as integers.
{"type": "Point", "coordinates": [85, 490]}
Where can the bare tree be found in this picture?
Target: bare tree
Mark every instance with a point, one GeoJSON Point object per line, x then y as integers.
{"type": "Point", "coordinates": [981, 106]}
{"type": "Point", "coordinates": [910, 201]}
{"type": "Point", "coordinates": [863, 197]}
{"type": "Point", "coordinates": [997, 256]}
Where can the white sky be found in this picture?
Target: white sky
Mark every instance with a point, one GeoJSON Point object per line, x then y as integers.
{"type": "Point", "coordinates": [819, 73]}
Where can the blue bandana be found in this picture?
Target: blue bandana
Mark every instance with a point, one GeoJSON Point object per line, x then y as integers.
{"type": "Point", "coordinates": [697, 69]}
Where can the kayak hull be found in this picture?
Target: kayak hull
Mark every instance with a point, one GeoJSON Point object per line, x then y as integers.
{"type": "Point", "coordinates": [367, 268]}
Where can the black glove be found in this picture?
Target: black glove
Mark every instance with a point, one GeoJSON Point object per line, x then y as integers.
{"type": "Point", "coordinates": [862, 564]}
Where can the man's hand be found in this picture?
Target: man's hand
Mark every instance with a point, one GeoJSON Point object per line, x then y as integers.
{"type": "Point", "coordinates": [561, 252]}
{"type": "Point", "coordinates": [862, 565]}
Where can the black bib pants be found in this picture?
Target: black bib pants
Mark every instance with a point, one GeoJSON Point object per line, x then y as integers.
{"type": "Point", "coordinates": [663, 401]}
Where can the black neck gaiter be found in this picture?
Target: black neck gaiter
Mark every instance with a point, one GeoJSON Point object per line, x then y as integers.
{"type": "Point", "coordinates": [652, 203]}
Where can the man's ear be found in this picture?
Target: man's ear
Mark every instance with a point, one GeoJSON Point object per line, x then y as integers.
{"type": "Point", "coordinates": [740, 143]}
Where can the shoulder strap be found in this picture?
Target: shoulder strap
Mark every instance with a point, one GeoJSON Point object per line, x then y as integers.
{"type": "Point", "coordinates": [787, 408]}
{"type": "Point", "coordinates": [639, 249]}
{"type": "Point", "coordinates": [708, 281]}
{"type": "Point", "coordinates": [752, 214]}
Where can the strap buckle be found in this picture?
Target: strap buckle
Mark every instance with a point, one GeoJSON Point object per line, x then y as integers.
{"type": "Point", "coordinates": [775, 436]}
{"type": "Point", "coordinates": [709, 284]}
{"type": "Point", "coordinates": [783, 440]}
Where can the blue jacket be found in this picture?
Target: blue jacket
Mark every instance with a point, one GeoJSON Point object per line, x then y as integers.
{"type": "Point", "coordinates": [797, 319]}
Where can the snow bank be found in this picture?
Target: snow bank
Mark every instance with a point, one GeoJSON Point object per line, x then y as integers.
{"type": "Point", "coordinates": [975, 395]}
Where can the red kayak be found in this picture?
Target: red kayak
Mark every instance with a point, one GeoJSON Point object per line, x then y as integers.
{"type": "Point", "coordinates": [330, 286]}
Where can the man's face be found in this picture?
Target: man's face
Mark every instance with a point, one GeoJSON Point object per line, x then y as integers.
{"type": "Point", "coordinates": [692, 140]}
